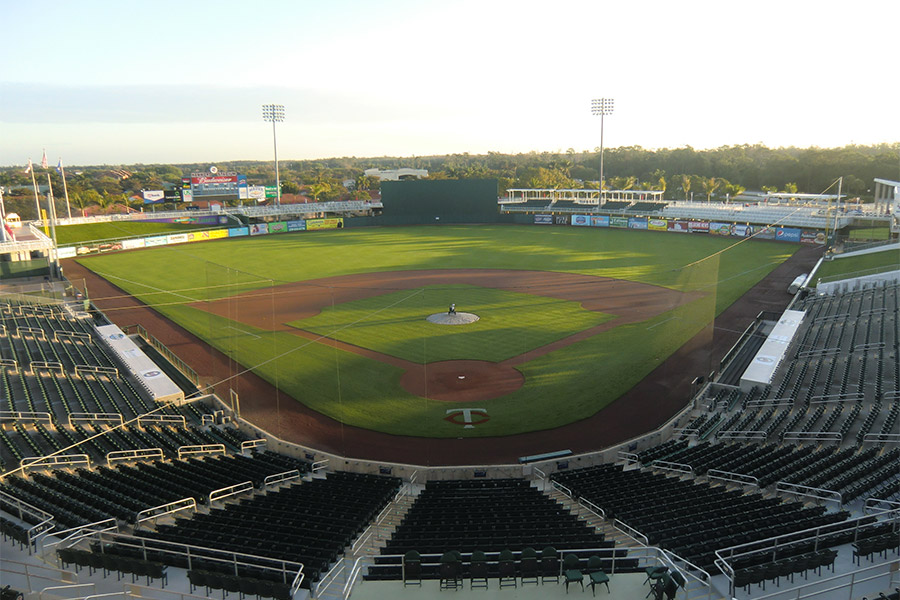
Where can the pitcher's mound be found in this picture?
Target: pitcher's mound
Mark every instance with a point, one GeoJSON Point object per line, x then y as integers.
{"type": "Point", "coordinates": [460, 318]}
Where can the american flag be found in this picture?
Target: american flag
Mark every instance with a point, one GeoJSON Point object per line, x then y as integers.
{"type": "Point", "coordinates": [44, 160]}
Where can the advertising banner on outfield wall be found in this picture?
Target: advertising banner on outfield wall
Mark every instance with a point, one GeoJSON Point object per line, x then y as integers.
{"type": "Point", "coordinates": [315, 224]}
{"type": "Point", "coordinates": [765, 233]}
{"type": "Point", "coordinates": [740, 230]}
{"type": "Point", "coordinates": [618, 222]}
{"type": "Point", "coordinates": [698, 226]}
{"type": "Point", "coordinates": [581, 220]}
{"type": "Point", "coordinates": [561, 219]}
{"type": "Point", "coordinates": [811, 236]}
{"type": "Point", "coordinates": [238, 231]}
{"type": "Point", "coordinates": [177, 238]}
{"type": "Point", "coordinates": [678, 226]}
{"type": "Point", "coordinates": [657, 225]}
{"type": "Point", "coordinates": [600, 221]}
{"type": "Point", "coordinates": [543, 219]}
{"type": "Point", "coordinates": [217, 234]}
{"type": "Point", "coordinates": [787, 234]}
{"type": "Point", "coordinates": [720, 228]}
{"type": "Point", "coordinates": [198, 236]}
{"type": "Point", "coordinates": [299, 225]}
{"type": "Point", "coordinates": [129, 244]}
{"type": "Point", "coordinates": [68, 252]}
{"type": "Point", "coordinates": [259, 229]}
{"type": "Point", "coordinates": [156, 240]}
{"type": "Point", "coordinates": [277, 227]}
{"type": "Point", "coordinates": [637, 222]}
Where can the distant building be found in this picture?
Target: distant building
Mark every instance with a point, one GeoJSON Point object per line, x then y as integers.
{"type": "Point", "coordinates": [396, 174]}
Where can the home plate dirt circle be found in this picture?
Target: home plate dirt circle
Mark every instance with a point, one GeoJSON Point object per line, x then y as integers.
{"type": "Point", "coordinates": [462, 380]}
{"type": "Point", "coordinates": [456, 318]}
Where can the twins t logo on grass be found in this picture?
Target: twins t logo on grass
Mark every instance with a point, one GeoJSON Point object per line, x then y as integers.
{"type": "Point", "coordinates": [463, 416]}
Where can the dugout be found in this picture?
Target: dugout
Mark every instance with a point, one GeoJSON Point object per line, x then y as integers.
{"type": "Point", "coordinates": [424, 202]}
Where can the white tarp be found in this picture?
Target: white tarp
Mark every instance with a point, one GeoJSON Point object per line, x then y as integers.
{"type": "Point", "coordinates": [771, 353]}
{"type": "Point", "coordinates": [151, 377]}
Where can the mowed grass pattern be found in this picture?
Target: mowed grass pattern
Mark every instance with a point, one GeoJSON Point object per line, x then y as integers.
{"type": "Point", "coordinates": [68, 235]}
{"type": "Point", "coordinates": [566, 385]}
{"type": "Point", "coordinates": [510, 323]}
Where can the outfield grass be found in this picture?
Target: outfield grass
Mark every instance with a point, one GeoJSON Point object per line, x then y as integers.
{"type": "Point", "coordinates": [864, 264]}
{"type": "Point", "coordinates": [70, 235]}
{"type": "Point", "coordinates": [563, 386]}
{"type": "Point", "coordinates": [509, 323]}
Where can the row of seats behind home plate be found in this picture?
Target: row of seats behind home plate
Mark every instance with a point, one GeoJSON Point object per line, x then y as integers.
{"type": "Point", "coordinates": [492, 517]}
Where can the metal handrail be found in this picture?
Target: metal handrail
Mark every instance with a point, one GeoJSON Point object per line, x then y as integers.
{"type": "Point", "coordinates": [231, 490]}
{"type": "Point", "coordinates": [631, 532]}
{"type": "Point", "coordinates": [809, 492]}
{"type": "Point", "coordinates": [592, 507]}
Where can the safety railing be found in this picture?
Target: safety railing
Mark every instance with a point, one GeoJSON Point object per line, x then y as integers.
{"type": "Point", "coordinates": [109, 371]}
{"type": "Point", "coordinates": [231, 490]}
{"type": "Point", "coordinates": [330, 578]}
{"type": "Point", "coordinates": [319, 465]}
{"type": "Point", "coordinates": [812, 436]}
{"type": "Point", "coordinates": [804, 491]}
{"type": "Point", "coordinates": [631, 532]}
{"type": "Point", "coordinates": [251, 444]}
{"type": "Point", "coordinates": [726, 556]}
{"type": "Point", "coordinates": [68, 537]}
{"type": "Point", "coordinates": [672, 466]}
{"type": "Point", "coordinates": [117, 456]}
{"type": "Point", "coordinates": [277, 478]}
{"type": "Point", "coordinates": [57, 460]}
{"type": "Point", "coordinates": [290, 572]}
{"type": "Point", "coordinates": [43, 365]}
{"type": "Point", "coordinates": [558, 486]}
{"type": "Point", "coordinates": [629, 458]}
{"type": "Point", "coordinates": [731, 477]}
{"type": "Point", "coordinates": [60, 335]}
{"type": "Point", "coordinates": [842, 585]}
{"type": "Point", "coordinates": [882, 438]}
{"type": "Point", "coordinates": [743, 435]}
{"type": "Point", "coordinates": [158, 419]}
{"type": "Point", "coordinates": [179, 364]}
{"type": "Point", "coordinates": [82, 417]}
{"type": "Point", "coordinates": [62, 591]}
{"type": "Point", "coordinates": [20, 509]}
{"type": "Point", "coordinates": [17, 415]}
{"type": "Point", "coordinates": [155, 512]}
{"type": "Point", "coordinates": [211, 449]}
{"type": "Point", "coordinates": [592, 507]}
{"type": "Point", "coordinates": [877, 505]}
{"type": "Point", "coordinates": [31, 571]}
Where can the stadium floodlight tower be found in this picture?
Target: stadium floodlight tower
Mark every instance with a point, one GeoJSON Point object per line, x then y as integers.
{"type": "Point", "coordinates": [274, 113]}
{"type": "Point", "coordinates": [602, 107]}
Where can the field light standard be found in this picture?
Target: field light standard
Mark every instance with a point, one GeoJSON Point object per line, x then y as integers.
{"type": "Point", "coordinates": [274, 113]}
{"type": "Point", "coordinates": [602, 107]}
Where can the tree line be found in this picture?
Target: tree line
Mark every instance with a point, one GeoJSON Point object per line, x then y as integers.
{"type": "Point", "coordinates": [682, 173]}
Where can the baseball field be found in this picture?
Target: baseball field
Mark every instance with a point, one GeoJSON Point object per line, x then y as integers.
{"type": "Point", "coordinates": [569, 319]}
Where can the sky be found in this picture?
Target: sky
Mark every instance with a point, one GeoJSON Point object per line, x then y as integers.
{"type": "Point", "coordinates": [103, 82]}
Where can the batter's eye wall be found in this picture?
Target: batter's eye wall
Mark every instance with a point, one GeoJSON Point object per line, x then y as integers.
{"type": "Point", "coordinates": [440, 201]}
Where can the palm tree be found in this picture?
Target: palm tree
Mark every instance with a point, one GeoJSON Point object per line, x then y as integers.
{"type": "Point", "coordinates": [710, 186]}
{"type": "Point", "coordinates": [319, 188]}
{"type": "Point", "coordinates": [686, 186]}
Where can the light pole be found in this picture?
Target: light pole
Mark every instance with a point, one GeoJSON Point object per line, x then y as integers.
{"type": "Point", "coordinates": [274, 113]}
{"type": "Point", "coordinates": [602, 107]}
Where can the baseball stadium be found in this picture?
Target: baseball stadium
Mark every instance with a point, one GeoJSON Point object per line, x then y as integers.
{"type": "Point", "coordinates": [530, 395]}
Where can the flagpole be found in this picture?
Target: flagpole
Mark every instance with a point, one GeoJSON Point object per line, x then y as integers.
{"type": "Point", "coordinates": [53, 223]}
{"type": "Point", "coordinates": [37, 203]}
{"type": "Point", "coordinates": [3, 233]}
{"type": "Point", "coordinates": [62, 172]}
